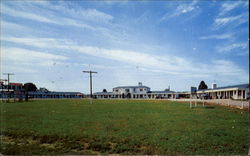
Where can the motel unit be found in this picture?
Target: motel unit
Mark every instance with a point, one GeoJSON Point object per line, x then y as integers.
{"type": "Point", "coordinates": [135, 92]}
{"type": "Point", "coordinates": [228, 92]}
{"type": "Point", "coordinates": [17, 91]}
{"type": "Point", "coordinates": [143, 92]}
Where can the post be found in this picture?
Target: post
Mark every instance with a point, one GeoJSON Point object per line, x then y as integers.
{"type": "Point", "coordinates": [193, 91]}
{"type": "Point", "coordinates": [237, 94]}
{"type": "Point", "coordinates": [2, 80]}
{"type": "Point", "coordinates": [8, 84]}
{"type": "Point", "coordinates": [90, 80]}
{"type": "Point", "coordinates": [90, 83]}
{"type": "Point", "coordinates": [8, 87]}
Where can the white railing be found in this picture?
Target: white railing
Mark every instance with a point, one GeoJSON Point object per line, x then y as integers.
{"type": "Point", "coordinates": [224, 102]}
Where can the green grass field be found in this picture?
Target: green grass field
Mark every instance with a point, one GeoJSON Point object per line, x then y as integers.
{"type": "Point", "coordinates": [121, 127]}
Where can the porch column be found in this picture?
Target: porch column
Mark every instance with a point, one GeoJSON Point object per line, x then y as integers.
{"type": "Point", "coordinates": [237, 94]}
{"type": "Point", "coordinates": [245, 94]}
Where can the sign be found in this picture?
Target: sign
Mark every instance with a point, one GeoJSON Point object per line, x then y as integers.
{"type": "Point", "coordinates": [193, 89]}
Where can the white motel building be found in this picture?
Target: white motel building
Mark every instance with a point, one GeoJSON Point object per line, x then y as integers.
{"type": "Point", "coordinates": [143, 92]}
{"type": "Point", "coordinates": [228, 92]}
{"type": "Point", "coordinates": [135, 92]}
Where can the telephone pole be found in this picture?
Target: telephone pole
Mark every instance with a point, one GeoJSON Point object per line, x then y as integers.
{"type": "Point", "coordinates": [90, 80]}
{"type": "Point", "coordinates": [8, 84]}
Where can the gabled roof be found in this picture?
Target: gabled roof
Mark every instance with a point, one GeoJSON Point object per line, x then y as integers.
{"type": "Point", "coordinates": [130, 87]}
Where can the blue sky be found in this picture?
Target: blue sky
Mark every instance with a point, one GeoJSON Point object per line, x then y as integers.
{"type": "Point", "coordinates": [158, 43]}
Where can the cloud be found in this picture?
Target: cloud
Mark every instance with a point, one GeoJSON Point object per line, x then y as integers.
{"type": "Point", "coordinates": [40, 42]}
{"type": "Point", "coordinates": [25, 55]}
{"type": "Point", "coordinates": [20, 60]}
{"type": "Point", "coordinates": [109, 45]}
{"type": "Point", "coordinates": [233, 20]}
{"type": "Point", "coordinates": [90, 15]}
{"type": "Point", "coordinates": [231, 47]}
{"type": "Point", "coordinates": [129, 57]}
{"type": "Point", "coordinates": [221, 36]}
{"type": "Point", "coordinates": [12, 26]}
{"type": "Point", "coordinates": [18, 69]}
{"type": "Point", "coordinates": [78, 13]}
{"type": "Point", "coordinates": [13, 12]}
{"type": "Point", "coordinates": [167, 64]}
{"type": "Point", "coordinates": [228, 68]}
{"type": "Point", "coordinates": [68, 17]}
{"type": "Point", "coordinates": [225, 20]}
{"type": "Point", "coordinates": [51, 19]}
{"type": "Point", "coordinates": [33, 12]}
{"type": "Point", "coordinates": [229, 6]}
{"type": "Point", "coordinates": [180, 10]}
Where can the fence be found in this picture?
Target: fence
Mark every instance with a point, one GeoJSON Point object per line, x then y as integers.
{"type": "Point", "coordinates": [223, 102]}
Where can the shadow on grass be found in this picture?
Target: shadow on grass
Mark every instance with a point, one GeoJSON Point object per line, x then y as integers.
{"type": "Point", "coordinates": [206, 107]}
{"type": "Point", "coordinates": [16, 101]}
{"type": "Point", "coordinates": [209, 107]}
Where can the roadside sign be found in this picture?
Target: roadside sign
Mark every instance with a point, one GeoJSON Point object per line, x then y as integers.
{"type": "Point", "coordinates": [193, 89]}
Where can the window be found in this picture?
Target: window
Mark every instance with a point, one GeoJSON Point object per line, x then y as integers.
{"type": "Point", "coordinates": [126, 90]}
{"type": "Point", "coordinates": [141, 89]}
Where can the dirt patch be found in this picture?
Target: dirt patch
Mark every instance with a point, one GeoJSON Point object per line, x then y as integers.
{"type": "Point", "coordinates": [13, 145]}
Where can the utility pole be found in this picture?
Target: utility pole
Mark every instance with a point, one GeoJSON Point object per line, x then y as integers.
{"type": "Point", "coordinates": [2, 84]}
{"type": "Point", "coordinates": [90, 80]}
{"type": "Point", "coordinates": [8, 84]}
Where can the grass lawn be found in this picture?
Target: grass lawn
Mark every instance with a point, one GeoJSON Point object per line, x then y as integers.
{"type": "Point", "coordinates": [121, 127]}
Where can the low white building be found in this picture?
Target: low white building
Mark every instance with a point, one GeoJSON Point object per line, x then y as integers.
{"type": "Point", "coordinates": [228, 92]}
{"type": "Point", "coordinates": [135, 92]}
{"type": "Point", "coordinates": [143, 92]}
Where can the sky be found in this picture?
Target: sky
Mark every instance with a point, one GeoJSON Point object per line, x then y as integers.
{"type": "Point", "coordinates": [158, 43]}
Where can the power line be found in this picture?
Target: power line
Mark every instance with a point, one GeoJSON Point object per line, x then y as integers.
{"type": "Point", "coordinates": [8, 84]}
{"type": "Point", "coordinates": [90, 80]}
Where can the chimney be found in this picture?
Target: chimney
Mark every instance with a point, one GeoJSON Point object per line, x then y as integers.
{"type": "Point", "coordinates": [139, 84]}
{"type": "Point", "coordinates": [214, 85]}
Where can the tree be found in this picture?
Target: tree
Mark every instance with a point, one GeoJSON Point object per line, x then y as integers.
{"type": "Point", "coordinates": [104, 90]}
{"type": "Point", "coordinates": [202, 85]}
{"type": "Point", "coordinates": [29, 87]}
